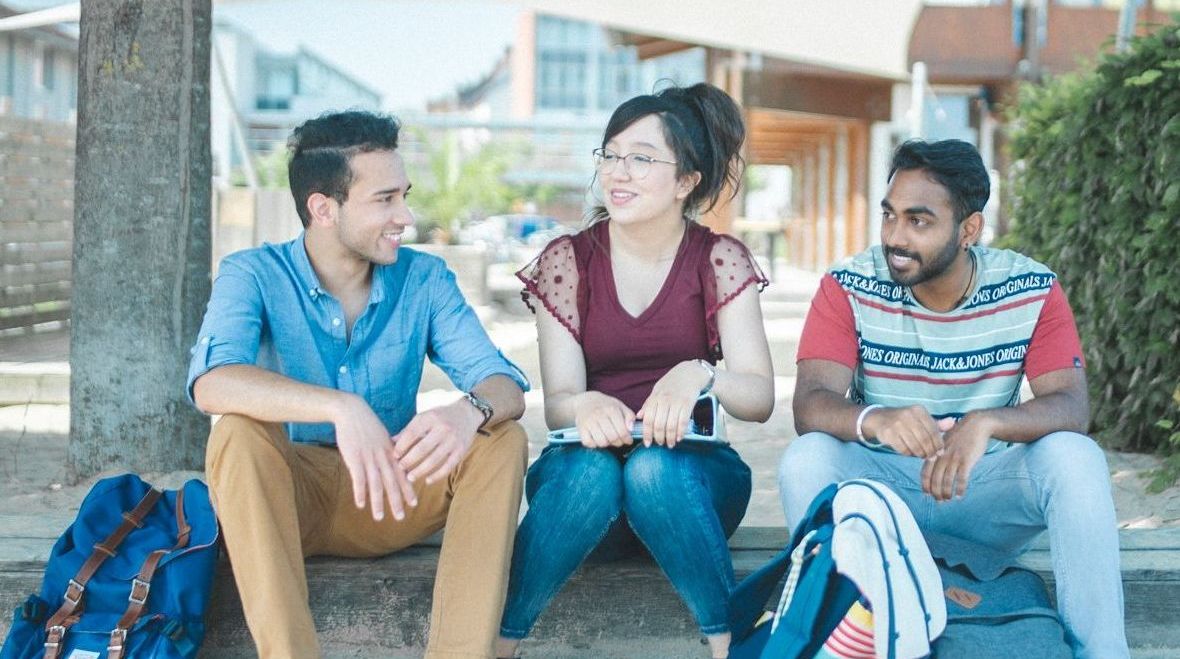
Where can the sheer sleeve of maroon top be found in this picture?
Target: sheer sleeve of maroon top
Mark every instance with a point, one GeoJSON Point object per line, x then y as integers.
{"type": "Point", "coordinates": [552, 279]}
{"type": "Point", "coordinates": [730, 270]}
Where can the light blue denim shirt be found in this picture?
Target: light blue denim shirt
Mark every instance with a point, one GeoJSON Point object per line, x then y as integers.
{"type": "Point", "coordinates": [268, 309]}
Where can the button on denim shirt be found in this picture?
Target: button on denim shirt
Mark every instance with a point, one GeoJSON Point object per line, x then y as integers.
{"type": "Point", "coordinates": [268, 309]}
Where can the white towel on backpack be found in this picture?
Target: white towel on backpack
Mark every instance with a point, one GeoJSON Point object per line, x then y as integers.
{"type": "Point", "coordinates": [857, 556]}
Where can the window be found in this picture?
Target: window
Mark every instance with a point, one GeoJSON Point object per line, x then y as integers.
{"type": "Point", "coordinates": [562, 78]}
{"type": "Point", "coordinates": [48, 64]}
{"type": "Point", "coordinates": [618, 77]}
{"type": "Point", "coordinates": [7, 65]}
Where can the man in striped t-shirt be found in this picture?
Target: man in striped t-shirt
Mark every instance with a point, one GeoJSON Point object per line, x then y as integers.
{"type": "Point", "coordinates": [909, 373]}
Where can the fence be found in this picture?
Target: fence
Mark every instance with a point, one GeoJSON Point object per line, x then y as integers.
{"type": "Point", "coordinates": [247, 218]}
{"type": "Point", "coordinates": [36, 224]}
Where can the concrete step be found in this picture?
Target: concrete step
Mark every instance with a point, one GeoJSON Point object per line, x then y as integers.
{"type": "Point", "coordinates": [34, 382]}
{"type": "Point", "coordinates": [379, 607]}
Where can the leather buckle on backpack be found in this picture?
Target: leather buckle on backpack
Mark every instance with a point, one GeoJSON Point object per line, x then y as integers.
{"type": "Point", "coordinates": [55, 634]}
{"type": "Point", "coordinates": [118, 640]}
{"type": "Point", "coordinates": [74, 593]}
{"type": "Point", "coordinates": [139, 586]}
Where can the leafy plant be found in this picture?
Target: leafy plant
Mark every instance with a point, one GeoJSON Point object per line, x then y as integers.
{"type": "Point", "coordinates": [270, 169]}
{"type": "Point", "coordinates": [458, 186]}
{"type": "Point", "coordinates": [1169, 472]}
{"type": "Point", "coordinates": [1097, 184]}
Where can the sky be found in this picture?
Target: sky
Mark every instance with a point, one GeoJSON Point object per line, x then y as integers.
{"type": "Point", "coordinates": [408, 50]}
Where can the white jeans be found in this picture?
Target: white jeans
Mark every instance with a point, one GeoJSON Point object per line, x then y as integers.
{"type": "Point", "coordinates": [1059, 483]}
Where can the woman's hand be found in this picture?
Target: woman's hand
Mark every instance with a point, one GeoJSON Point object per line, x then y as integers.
{"type": "Point", "coordinates": [603, 421]}
{"type": "Point", "coordinates": [666, 412]}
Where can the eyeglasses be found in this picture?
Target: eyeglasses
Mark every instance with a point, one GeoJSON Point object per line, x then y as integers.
{"type": "Point", "coordinates": [637, 165]}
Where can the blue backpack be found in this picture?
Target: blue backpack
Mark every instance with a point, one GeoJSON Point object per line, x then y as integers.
{"type": "Point", "coordinates": [131, 577]}
{"type": "Point", "coordinates": [816, 597]}
{"type": "Point", "coordinates": [995, 608]}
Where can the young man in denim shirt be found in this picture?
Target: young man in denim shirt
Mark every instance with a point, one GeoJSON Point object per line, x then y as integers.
{"type": "Point", "coordinates": [313, 352]}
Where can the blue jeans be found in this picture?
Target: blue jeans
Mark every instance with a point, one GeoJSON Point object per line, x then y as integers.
{"type": "Point", "coordinates": [681, 504]}
{"type": "Point", "coordinates": [1059, 482]}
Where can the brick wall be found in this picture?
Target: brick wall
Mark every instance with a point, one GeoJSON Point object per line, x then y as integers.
{"type": "Point", "coordinates": [36, 224]}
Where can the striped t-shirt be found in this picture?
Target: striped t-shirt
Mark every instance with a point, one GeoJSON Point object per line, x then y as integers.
{"type": "Point", "coordinates": [1016, 323]}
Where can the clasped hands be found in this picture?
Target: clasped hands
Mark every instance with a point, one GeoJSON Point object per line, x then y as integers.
{"type": "Point", "coordinates": [384, 468]}
{"type": "Point", "coordinates": [604, 421]}
{"type": "Point", "coordinates": [950, 449]}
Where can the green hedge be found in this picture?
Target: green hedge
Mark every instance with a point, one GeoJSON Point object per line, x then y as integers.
{"type": "Point", "coordinates": [1096, 189]}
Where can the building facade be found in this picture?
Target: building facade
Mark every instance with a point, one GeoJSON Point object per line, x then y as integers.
{"type": "Point", "coordinates": [551, 94]}
{"type": "Point", "coordinates": [38, 72]}
{"type": "Point", "coordinates": [261, 95]}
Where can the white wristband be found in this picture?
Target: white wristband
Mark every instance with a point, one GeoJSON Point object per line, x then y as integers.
{"type": "Point", "coordinates": [860, 422]}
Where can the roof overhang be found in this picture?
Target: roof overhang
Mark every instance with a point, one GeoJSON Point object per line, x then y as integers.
{"type": "Point", "coordinates": [67, 13]}
{"type": "Point", "coordinates": [868, 37]}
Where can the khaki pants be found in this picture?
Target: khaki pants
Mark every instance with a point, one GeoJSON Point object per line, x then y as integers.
{"type": "Point", "coordinates": [279, 502]}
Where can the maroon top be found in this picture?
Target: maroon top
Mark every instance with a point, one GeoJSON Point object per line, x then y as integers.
{"type": "Point", "coordinates": [626, 355]}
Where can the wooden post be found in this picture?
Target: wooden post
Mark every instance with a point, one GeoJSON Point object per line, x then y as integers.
{"type": "Point", "coordinates": [857, 236]}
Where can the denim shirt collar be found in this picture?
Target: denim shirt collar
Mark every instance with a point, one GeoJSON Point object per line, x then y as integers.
{"type": "Point", "coordinates": [302, 264]}
{"type": "Point", "coordinates": [311, 282]}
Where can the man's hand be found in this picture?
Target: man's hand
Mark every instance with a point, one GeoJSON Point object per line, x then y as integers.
{"type": "Point", "coordinates": [907, 430]}
{"type": "Point", "coordinates": [603, 421]}
{"type": "Point", "coordinates": [946, 475]}
{"type": "Point", "coordinates": [666, 411]}
{"type": "Point", "coordinates": [368, 453]}
{"type": "Point", "coordinates": [435, 441]}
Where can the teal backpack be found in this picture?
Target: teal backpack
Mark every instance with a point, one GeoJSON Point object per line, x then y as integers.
{"type": "Point", "coordinates": [816, 596]}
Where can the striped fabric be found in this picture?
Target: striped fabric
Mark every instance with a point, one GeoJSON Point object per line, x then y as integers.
{"type": "Point", "coordinates": [852, 638]}
{"type": "Point", "coordinates": [950, 363]}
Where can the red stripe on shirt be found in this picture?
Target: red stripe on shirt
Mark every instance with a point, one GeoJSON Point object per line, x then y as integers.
{"type": "Point", "coordinates": [944, 318]}
{"type": "Point", "coordinates": [922, 378]}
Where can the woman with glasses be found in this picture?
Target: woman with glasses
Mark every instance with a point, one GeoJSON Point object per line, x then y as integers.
{"type": "Point", "coordinates": [635, 312]}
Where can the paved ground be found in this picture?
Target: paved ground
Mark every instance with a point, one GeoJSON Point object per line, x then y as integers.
{"type": "Point", "coordinates": [33, 437]}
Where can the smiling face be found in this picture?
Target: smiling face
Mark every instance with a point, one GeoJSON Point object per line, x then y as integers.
{"type": "Point", "coordinates": [370, 223]}
{"type": "Point", "coordinates": [660, 193]}
{"type": "Point", "coordinates": [919, 232]}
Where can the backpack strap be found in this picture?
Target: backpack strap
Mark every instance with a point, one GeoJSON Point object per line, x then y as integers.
{"type": "Point", "coordinates": [797, 556]}
{"type": "Point", "coordinates": [817, 605]}
{"type": "Point", "coordinates": [748, 601]}
{"type": "Point", "coordinates": [70, 610]}
{"type": "Point", "coordinates": [141, 585]}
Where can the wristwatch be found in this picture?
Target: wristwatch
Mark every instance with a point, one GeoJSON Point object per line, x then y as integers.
{"type": "Point", "coordinates": [484, 407]}
{"type": "Point", "coordinates": [712, 371]}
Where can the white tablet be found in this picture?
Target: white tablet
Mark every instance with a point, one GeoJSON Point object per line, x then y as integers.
{"type": "Point", "coordinates": [705, 425]}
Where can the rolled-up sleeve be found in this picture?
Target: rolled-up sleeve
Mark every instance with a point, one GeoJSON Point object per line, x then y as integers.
{"type": "Point", "coordinates": [458, 343]}
{"type": "Point", "coordinates": [231, 329]}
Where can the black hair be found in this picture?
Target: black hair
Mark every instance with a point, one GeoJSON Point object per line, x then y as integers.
{"type": "Point", "coordinates": [321, 150]}
{"type": "Point", "coordinates": [705, 130]}
{"type": "Point", "coordinates": [953, 164]}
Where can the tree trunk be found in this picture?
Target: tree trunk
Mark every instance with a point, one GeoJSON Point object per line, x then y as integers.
{"type": "Point", "coordinates": [141, 234]}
